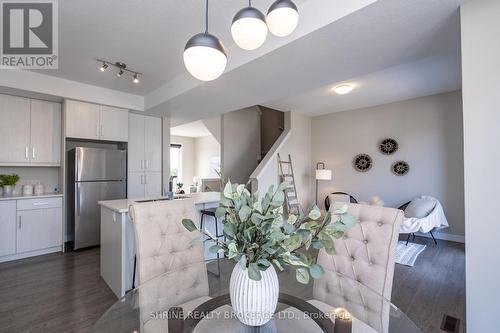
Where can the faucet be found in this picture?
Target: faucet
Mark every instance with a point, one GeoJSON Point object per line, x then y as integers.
{"type": "Point", "coordinates": [170, 192]}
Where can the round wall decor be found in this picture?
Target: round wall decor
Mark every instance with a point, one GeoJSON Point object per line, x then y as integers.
{"type": "Point", "coordinates": [400, 168]}
{"type": "Point", "coordinates": [362, 162]}
{"type": "Point", "coordinates": [388, 146]}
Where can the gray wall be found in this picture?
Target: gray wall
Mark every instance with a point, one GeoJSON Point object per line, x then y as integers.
{"type": "Point", "coordinates": [240, 143]}
{"type": "Point", "coordinates": [429, 133]}
{"type": "Point", "coordinates": [481, 85]}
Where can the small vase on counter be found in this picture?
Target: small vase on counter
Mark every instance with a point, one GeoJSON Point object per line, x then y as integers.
{"type": "Point", "coordinates": [7, 190]}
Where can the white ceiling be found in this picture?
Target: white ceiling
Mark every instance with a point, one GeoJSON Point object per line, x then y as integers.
{"type": "Point", "coordinates": [194, 129]}
{"type": "Point", "coordinates": [425, 77]}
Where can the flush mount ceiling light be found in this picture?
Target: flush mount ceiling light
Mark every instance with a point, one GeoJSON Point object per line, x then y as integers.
{"type": "Point", "coordinates": [204, 55]}
{"type": "Point", "coordinates": [249, 29]}
{"type": "Point", "coordinates": [282, 18]}
{"type": "Point", "coordinates": [343, 89]}
{"type": "Point", "coordinates": [122, 68]}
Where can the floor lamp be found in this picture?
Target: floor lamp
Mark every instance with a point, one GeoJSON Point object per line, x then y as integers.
{"type": "Point", "coordinates": [321, 174]}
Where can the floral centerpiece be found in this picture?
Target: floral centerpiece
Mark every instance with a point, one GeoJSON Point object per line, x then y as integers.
{"type": "Point", "coordinates": [259, 238]}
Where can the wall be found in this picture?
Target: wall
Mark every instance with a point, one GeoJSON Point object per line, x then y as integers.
{"type": "Point", "coordinates": [207, 150]}
{"type": "Point", "coordinates": [429, 133]}
{"type": "Point", "coordinates": [188, 166]}
{"type": "Point", "coordinates": [31, 175]}
{"type": "Point", "coordinates": [481, 84]}
{"type": "Point", "coordinates": [240, 144]}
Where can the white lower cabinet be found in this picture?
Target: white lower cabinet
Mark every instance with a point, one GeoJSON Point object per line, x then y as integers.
{"type": "Point", "coordinates": [7, 227]}
{"type": "Point", "coordinates": [152, 184]}
{"type": "Point", "coordinates": [30, 227]}
{"type": "Point", "coordinates": [143, 185]}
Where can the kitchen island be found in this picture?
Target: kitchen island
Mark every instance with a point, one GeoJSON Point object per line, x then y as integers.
{"type": "Point", "coordinates": [118, 240]}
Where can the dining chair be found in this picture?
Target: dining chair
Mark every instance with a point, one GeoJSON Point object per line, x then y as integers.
{"type": "Point", "coordinates": [365, 254]}
{"type": "Point", "coordinates": [339, 197]}
{"type": "Point", "coordinates": [171, 269]}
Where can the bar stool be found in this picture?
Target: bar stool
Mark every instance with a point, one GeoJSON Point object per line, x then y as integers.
{"type": "Point", "coordinates": [211, 212]}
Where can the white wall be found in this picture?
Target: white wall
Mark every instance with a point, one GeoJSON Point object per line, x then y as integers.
{"type": "Point", "coordinates": [31, 175]}
{"type": "Point", "coordinates": [207, 152]}
{"type": "Point", "coordinates": [240, 143]}
{"type": "Point", "coordinates": [481, 86]}
{"type": "Point", "coordinates": [429, 133]}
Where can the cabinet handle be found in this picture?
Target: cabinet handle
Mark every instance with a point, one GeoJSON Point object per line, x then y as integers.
{"type": "Point", "coordinates": [26, 152]}
{"type": "Point", "coordinates": [97, 131]}
{"type": "Point", "coordinates": [145, 179]}
{"type": "Point", "coordinates": [33, 152]}
{"type": "Point", "coordinates": [142, 179]}
{"type": "Point", "coordinates": [147, 164]}
{"type": "Point", "coordinates": [20, 223]}
{"type": "Point", "coordinates": [101, 131]}
{"type": "Point", "coordinates": [40, 203]}
{"type": "Point", "coordinates": [142, 164]}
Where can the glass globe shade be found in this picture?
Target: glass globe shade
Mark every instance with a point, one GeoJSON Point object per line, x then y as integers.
{"type": "Point", "coordinates": [249, 29]}
{"type": "Point", "coordinates": [282, 18]}
{"type": "Point", "coordinates": [205, 57]}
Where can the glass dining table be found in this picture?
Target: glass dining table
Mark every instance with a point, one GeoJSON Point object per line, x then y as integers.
{"type": "Point", "coordinates": [196, 299]}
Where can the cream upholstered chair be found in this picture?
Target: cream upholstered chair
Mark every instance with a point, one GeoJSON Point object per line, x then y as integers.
{"type": "Point", "coordinates": [171, 269]}
{"type": "Point", "coordinates": [365, 254]}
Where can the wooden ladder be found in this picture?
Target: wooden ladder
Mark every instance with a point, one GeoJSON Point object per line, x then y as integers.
{"type": "Point", "coordinates": [286, 175]}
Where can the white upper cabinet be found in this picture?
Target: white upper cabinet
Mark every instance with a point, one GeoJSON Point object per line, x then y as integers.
{"type": "Point", "coordinates": [30, 132]}
{"type": "Point", "coordinates": [96, 122]}
{"type": "Point", "coordinates": [152, 145]}
{"type": "Point", "coordinates": [152, 182]}
{"type": "Point", "coordinates": [114, 124]}
{"type": "Point", "coordinates": [14, 129]}
{"type": "Point", "coordinates": [45, 132]}
{"type": "Point", "coordinates": [82, 120]}
{"type": "Point", "coordinates": [136, 143]}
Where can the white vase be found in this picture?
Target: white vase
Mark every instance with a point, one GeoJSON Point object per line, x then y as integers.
{"type": "Point", "coordinates": [7, 190]}
{"type": "Point", "coordinates": [254, 302]}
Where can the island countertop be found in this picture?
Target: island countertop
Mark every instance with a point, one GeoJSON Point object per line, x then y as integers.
{"type": "Point", "coordinates": [121, 205]}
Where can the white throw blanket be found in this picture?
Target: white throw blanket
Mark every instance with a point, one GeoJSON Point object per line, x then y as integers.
{"type": "Point", "coordinates": [435, 219]}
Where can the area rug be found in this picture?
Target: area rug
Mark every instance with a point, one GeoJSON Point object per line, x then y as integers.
{"type": "Point", "coordinates": [407, 255]}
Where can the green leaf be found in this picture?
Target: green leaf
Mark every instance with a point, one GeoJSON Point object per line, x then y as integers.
{"type": "Point", "coordinates": [244, 213]}
{"type": "Point", "coordinates": [215, 249]}
{"type": "Point", "coordinates": [289, 228]}
{"type": "Point", "coordinates": [295, 261]}
{"type": "Point", "coordinates": [282, 186]}
{"type": "Point", "coordinates": [304, 234]}
{"type": "Point", "coordinates": [317, 245]}
{"type": "Point", "coordinates": [254, 272]}
{"type": "Point", "coordinates": [278, 265]}
{"type": "Point", "coordinates": [243, 262]}
{"type": "Point", "coordinates": [228, 190]}
{"type": "Point", "coordinates": [240, 188]}
{"type": "Point", "coordinates": [315, 213]}
{"type": "Point", "coordinates": [278, 199]}
{"type": "Point", "coordinates": [233, 251]}
{"type": "Point", "coordinates": [220, 211]}
{"type": "Point", "coordinates": [264, 262]}
{"type": "Point", "coordinates": [197, 241]}
{"type": "Point", "coordinates": [302, 275]}
{"type": "Point", "coordinates": [316, 271]}
{"type": "Point", "coordinates": [292, 219]}
{"type": "Point", "coordinates": [229, 229]}
{"type": "Point", "coordinates": [342, 210]}
{"type": "Point", "coordinates": [189, 225]}
{"type": "Point", "coordinates": [349, 220]}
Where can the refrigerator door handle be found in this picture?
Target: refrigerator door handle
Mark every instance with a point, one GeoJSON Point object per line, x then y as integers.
{"type": "Point", "coordinates": [77, 199]}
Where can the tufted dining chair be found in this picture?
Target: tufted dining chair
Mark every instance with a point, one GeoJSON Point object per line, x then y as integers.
{"type": "Point", "coordinates": [171, 270]}
{"type": "Point", "coordinates": [365, 254]}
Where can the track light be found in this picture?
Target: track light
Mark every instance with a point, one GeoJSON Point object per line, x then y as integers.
{"type": "Point", "coordinates": [120, 73]}
{"type": "Point", "coordinates": [104, 66]}
{"type": "Point", "coordinates": [136, 78]}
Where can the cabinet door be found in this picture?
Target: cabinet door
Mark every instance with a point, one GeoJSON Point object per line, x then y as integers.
{"type": "Point", "coordinates": [39, 229]}
{"type": "Point", "coordinates": [135, 185]}
{"type": "Point", "coordinates": [136, 143]}
{"type": "Point", "coordinates": [82, 120]}
{"type": "Point", "coordinates": [114, 124]}
{"type": "Point", "coordinates": [153, 144]}
{"type": "Point", "coordinates": [45, 132]}
{"type": "Point", "coordinates": [152, 181]}
{"type": "Point", "coordinates": [7, 227]}
{"type": "Point", "coordinates": [14, 129]}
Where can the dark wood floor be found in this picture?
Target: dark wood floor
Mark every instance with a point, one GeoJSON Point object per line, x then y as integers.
{"type": "Point", "coordinates": [64, 292]}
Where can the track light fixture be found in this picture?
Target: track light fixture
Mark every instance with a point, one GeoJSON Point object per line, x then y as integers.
{"type": "Point", "coordinates": [122, 68]}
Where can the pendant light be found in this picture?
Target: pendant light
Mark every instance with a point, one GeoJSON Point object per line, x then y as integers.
{"type": "Point", "coordinates": [249, 29]}
{"type": "Point", "coordinates": [204, 55]}
{"type": "Point", "coordinates": [282, 18]}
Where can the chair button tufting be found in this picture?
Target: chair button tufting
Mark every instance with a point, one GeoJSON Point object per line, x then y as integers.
{"type": "Point", "coordinates": [380, 224]}
{"type": "Point", "coordinates": [352, 258]}
{"type": "Point", "coordinates": [344, 237]}
{"type": "Point", "coordinates": [365, 241]}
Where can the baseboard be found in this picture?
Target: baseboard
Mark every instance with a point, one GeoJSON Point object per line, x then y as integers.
{"type": "Point", "coordinates": [444, 236]}
{"type": "Point", "coordinates": [30, 254]}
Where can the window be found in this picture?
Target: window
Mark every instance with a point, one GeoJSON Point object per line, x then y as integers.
{"type": "Point", "coordinates": [176, 162]}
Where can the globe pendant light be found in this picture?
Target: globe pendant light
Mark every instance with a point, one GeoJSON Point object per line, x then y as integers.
{"type": "Point", "coordinates": [249, 29]}
{"type": "Point", "coordinates": [205, 56]}
{"type": "Point", "coordinates": [282, 18]}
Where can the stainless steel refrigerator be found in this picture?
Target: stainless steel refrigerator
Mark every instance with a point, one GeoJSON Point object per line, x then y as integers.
{"type": "Point", "coordinates": [93, 175]}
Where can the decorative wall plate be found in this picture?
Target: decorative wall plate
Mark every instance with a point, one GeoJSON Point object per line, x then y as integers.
{"type": "Point", "coordinates": [362, 162]}
{"type": "Point", "coordinates": [400, 168]}
{"type": "Point", "coordinates": [388, 146]}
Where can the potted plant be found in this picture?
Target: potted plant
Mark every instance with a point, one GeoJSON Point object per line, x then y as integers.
{"type": "Point", "coordinates": [259, 239]}
{"type": "Point", "coordinates": [179, 188]}
{"type": "Point", "coordinates": [8, 182]}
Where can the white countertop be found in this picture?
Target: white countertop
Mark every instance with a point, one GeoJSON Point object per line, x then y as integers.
{"type": "Point", "coordinates": [121, 206]}
{"type": "Point", "coordinates": [21, 197]}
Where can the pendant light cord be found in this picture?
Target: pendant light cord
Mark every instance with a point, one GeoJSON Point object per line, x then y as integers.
{"type": "Point", "coordinates": [249, 3]}
{"type": "Point", "coordinates": [206, 18]}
